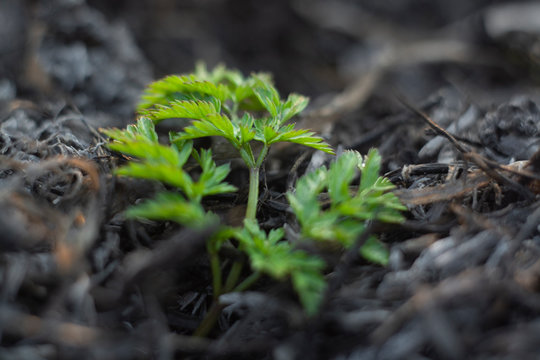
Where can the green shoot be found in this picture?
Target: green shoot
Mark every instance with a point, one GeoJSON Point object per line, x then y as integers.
{"type": "Point", "coordinates": [248, 111]}
{"type": "Point", "coordinates": [226, 104]}
{"type": "Point", "coordinates": [344, 220]}
{"type": "Point", "coordinates": [280, 260]}
{"type": "Point", "coordinates": [165, 164]}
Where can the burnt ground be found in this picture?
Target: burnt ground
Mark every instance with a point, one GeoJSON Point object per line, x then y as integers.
{"type": "Point", "coordinates": [447, 90]}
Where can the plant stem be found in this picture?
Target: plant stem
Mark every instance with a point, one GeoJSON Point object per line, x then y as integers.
{"type": "Point", "coordinates": [247, 282]}
{"type": "Point", "coordinates": [262, 156]}
{"type": "Point", "coordinates": [232, 278]}
{"type": "Point", "coordinates": [253, 196]}
{"type": "Point", "coordinates": [216, 274]}
{"type": "Point", "coordinates": [209, 321]}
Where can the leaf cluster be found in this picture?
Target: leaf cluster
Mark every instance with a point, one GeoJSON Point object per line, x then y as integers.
{"type": "Point", "coordinates": [345, 217]}
{"type": "Point", "coordinates": [224, 103]}
{"type": "Point", "coordinates": [280, 260]}
{"type": "Point", "coordinates": [155, 161]}
{"type": "Point", "coordinates": [243, 110]}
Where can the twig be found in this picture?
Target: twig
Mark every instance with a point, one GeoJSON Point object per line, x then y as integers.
{"type": "Point", "coordinates": [488, 166]}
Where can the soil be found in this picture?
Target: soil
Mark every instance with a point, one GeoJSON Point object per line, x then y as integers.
{"type": "Point", "coordinates": [447, 91]}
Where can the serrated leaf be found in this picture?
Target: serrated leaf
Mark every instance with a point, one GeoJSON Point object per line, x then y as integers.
{"type": "Point", "coordinates": [194, 109]}
{"type": "Point", "coordinates": [247, 120]}
{"type": "Point", "coordinates": [370, 168]}
{"type": "Point", "coordinates": [213, 125]}
{"type": "Point", "coordinates": [310, 287]}
{"type": "Point", "coordinates": [267, 95]}
{"type": "Point", "coordinates": [294, 105]}
{"type": "Point", "coordinates": [345, 218]}
{"type": "Point", "coordinates": [220, 74]}
{"type": "Point", "coordinates": [245, 135]}
{"type": "Point", "coordinates": [141, 140]}
{"type": "Point", "coordinates": [210, 181]}
{"type": "Point", "coordinates": [143, 130]}
{"type": "Point", "coordinates": [152, 152]}
{"type": "Point", "coordinates": [183, 147]}
{"type": "Point", "coordinates": [304, 201]}
{"type": "Point", "coordinates": [147, 129]}
{"type": "Point", "coordinates": [163, 91]}
{"type": "Point", "coordinates": [166, 173]}
{"type": "Point", "coordinates": [172, 206]}
{"type": "Point", "coordinates": [196, 87]}
{"type": "Point", "coordinates": [340, 175]}
{"type": "Point", "coordinates": [245, 91]}
{"type": "Point", "coordinates": [278, 259]}
{"type": "Point", "coordinates": [184, 87]}
{"type": "Point", "coordinates": [375, 251]}
{"type": "Point", "coordinates": [298, 136]}
{"type": "Point", "coordinates": [269, 135]}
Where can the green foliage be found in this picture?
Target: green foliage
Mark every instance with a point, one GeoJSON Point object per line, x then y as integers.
{"type": "Point", "coordinates": [344, 220]}
{"type": "Point", "coordinates": [243, 110]}
{"type": "Point", "coordinates": [174, 207]}
{"type": "Point", "coordinates": [216, 102]}
{"type": "Point", "coordinates": [280, 260]}
{"type": "Point", "coordinates": [165, 164]}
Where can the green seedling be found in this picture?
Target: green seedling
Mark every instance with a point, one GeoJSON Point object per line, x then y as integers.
{"type": "Point", "coordinates": [225, 104]}
{"type": "Point", "coordinates": [250, 115]}
{"type": "Point", "coordinates": [345, 217]}
{"type": "Point", "coordinates": [165, 164]}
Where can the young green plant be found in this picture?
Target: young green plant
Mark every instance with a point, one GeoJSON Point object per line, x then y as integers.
{"type": "Point", "coordinates": [165, 164]}
{"type": "Point", "coordinates": [249, 114]}
{"type": "Point", "coordinates": [243, 111]}
{"type": "Point", "coordinates": [344, 219]}
{"type": "Point", "coordinates": [225, 104]}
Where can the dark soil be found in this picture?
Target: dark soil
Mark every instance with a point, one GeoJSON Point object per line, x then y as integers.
{"type": "Point", "coordinates": [447, 90]}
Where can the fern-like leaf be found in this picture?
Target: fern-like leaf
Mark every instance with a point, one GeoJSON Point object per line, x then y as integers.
{"type": "Point", "coordinates": [173, 207]}
{"type": "Point", "coordinates": [294, 105]}
{"type": "Point", "coordinates": [212, 125]}
{"type": "Point", "coordinates": [163, 91]}
{"type": "Point", "coordinates": [280, 260]}
{"type": "Point", "coordinates": [185, 87]}
{"type": "Point", "coordinates": [344, 220]}
{"type": "Point", "coordinates": [268, 96]}
{"type": "Point", "coordinates": [184, 109]}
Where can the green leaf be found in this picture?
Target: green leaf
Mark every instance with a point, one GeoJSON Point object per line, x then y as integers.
{"type": "Point", "coordinates": [163, 91]}
{"type": "Point", "coordinates": [375, 251]}
{"type": "Point", "coordinates": [220, 74]}
{"type": "Point", "coordinates": [310, 287]}
{"type": "Point", "coordinates": [278, 259]}
{"type": "Point", "coordinates": [143, 130]}
{"type": "Point", "coordinates": [184, 87]}
{"type": "Point", "coordinates": [244, 93]}
{"type": "Point", "coordinates": [210, 181]}
{"type": "Point", "coordinates": [297, 136]}
{"type": "Point", "coordinates": [141, 140]}
{"type": "Point", "coordinates": [344, 220]}
{"type": "Point", "coordinates": [183, 147]}
{"type": "Point", "coordinates": [370, 168]}
{"type": "Point", "coordinates": [294, 105]}
{"type": "Point", "coordinates": [269, 135]}
{"type": "Point", "coordinates": [166, 173]}
{"type": "Point", "coordinates": [184, 109]}
{"type": "Point", "coordinates": [213, 125]}
{"type": "Point", "coordinates": [341, 175]}
{"type": "Point", "coordinates": [208, 88]}
{"type": "Point", "coordinates": [173, 207]}
{"type": "Point", "coordinates": [267, 95]}
{"type": "Point", "coordinates": [147, 129]}
{"type": "Point", "coordinates": [304, 201]}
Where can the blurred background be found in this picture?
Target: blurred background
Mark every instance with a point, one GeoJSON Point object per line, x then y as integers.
{"type": "Point", "coordinates": [68, 67]}
{"type": "Point", "coordinates": [100, 53]}
{"type": "Point", "coordinates": [352, 58]}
